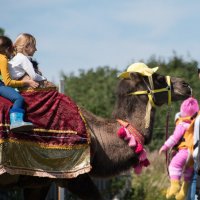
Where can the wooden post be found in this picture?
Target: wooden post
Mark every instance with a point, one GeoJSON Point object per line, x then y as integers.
{"type": "Point", "coordinates": [62, 86]}
{"type": "Point", "coordinates": [61, 191]}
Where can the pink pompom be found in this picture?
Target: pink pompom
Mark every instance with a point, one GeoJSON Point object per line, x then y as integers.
{"type": "Point", "coordinates": [138, 169]}
{"type": "Point", "coordinates": [143, 155]}
{"type": "Point", "coordinates": [121, 132]}
{"type": "Point", "coordinates": [138, 148]}
{"type": "Point", "coordinates": [145, 163]}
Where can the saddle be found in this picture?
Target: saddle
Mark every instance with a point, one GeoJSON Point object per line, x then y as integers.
{"type": "Point", "coordinates": [58, 146]}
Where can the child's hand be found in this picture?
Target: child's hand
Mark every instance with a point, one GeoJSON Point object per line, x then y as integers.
{"type": "Point", "coordinates": [162, 149]}
{"type": "Point", "coordinates": [32, 83]}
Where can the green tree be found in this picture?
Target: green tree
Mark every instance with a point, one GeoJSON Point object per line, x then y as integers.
{"type": "Point", "coordinates": [94, 89]}
{"type": "Point", "coordinates": [2, 31]}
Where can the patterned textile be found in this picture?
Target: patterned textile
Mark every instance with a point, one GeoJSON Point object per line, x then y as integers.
{"type": "Point", "coordinates": [58, 147]}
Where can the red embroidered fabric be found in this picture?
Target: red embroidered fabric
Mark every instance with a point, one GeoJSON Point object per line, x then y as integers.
{"type": "Point", "coordinates": [57, 120]}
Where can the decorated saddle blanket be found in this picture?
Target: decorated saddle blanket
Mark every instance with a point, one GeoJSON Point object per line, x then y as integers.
{"type": "Point", "coordinates": [58, 146]}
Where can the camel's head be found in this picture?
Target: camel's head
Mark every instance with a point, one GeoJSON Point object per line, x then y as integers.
{"type": "Point", "coordinates": [143, 82]}
{"type": "Point", "coordinates": [177, 88]}
{"type": "Point", "coordinates": [140, 90]}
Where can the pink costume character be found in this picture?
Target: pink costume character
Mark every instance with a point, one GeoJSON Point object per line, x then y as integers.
{"type": "Point", "coordinates": [183, 138]}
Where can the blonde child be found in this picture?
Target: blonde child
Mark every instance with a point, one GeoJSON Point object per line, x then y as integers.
{"type": "Point", "coordinates": [182, 137]}
{"type": "Point", "coordinates": [17, 111]}
{"type": "Point", "coordinates": [22, 63]}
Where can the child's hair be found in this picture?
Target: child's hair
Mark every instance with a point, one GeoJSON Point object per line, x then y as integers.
{"type": "Point", "coordinates": [5, 45]}
{"type": "Point", "coordinates": [189, 107]}
{"type": "Point", "coordinates": [23, 41]}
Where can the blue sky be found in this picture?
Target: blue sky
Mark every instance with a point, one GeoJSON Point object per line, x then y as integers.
{"type": "Point", "coordinates": [85, 34]}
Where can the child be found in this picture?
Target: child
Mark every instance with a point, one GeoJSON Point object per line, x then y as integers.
{"type": "Point", "coordinates": [183, 138]}
{"type": "Point", "coordinates": [17, 111]}
{"type": "Point", "coordinates": [22, 64]}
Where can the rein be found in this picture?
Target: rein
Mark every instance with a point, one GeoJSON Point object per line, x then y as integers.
{"type": "Point", "coordinates": [166, 136]}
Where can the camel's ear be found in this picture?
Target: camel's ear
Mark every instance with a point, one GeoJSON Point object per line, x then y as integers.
{"type": "Point", "coordinates": [136, 77]}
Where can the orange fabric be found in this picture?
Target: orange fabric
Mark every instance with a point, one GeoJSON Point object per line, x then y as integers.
{"type": "Point", "coordinates": [188, 141]}
{"type": "Point", "coordinates": [6, 75]}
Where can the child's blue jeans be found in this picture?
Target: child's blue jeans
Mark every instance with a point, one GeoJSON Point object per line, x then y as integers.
{"type": "Point", "coordinates": [191, 195]}
{"type": "Point", "coordinates": [11, 94]}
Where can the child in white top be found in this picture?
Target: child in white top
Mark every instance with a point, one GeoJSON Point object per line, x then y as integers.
{"type": "Point", "coordinates": [22, 64]}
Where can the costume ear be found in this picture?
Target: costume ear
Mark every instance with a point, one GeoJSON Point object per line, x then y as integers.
{"type": "Point", "coordinates": [136, 77]}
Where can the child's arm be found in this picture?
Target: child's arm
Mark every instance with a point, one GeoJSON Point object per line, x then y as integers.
{"type": "Point", "coordinates": [6, 76]}
{"type": "Point", "coordinates": [28, 68]}
{"type": "Point", "coordinates": [175, 138]}
{"type": "Point", "coordinates": [21, 65]}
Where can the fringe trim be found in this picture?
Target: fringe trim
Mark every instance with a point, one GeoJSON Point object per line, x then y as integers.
{"type": "Point", "coordinates": [86, 126]}
{"type": "Point", "coordinates": [54, 131]}
{"type": "Point", "coordinates": [36, 89]}
{"type": "Point", "coordinates": [28, 172]}
{"type": "Point", "coordinates": [45, 146]}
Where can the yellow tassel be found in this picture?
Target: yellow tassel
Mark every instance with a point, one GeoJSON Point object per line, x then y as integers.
{"type": "Point", "coordinates": [148, 114]}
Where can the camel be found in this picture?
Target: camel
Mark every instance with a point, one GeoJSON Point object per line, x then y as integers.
{"type": "Point", "coordinates": [110, 155]}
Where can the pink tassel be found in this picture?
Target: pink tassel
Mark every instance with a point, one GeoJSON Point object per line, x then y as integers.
{"type": "Point", "coordinates": [145, 163]}
{"type": "Point", "coordinates": [143, 155]}
{"type": "Point", "coordinates": [139, 148]}
{"type": "Point", "coordinates": [132, 142]}
{"type": "Point", "coordinates": [138, 169]}
{"type": "Point", "coordinates": [128, 135]}
{"type": "Point", "coordinates": [121, 132]}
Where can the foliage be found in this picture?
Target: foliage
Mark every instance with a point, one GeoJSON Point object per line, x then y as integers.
{"type": "Point", "coordinates": [93, 90]}
{"type": "Point", "coordinates": [153, 181]}
{"type": "Point", "coordinates": [151, 184]}
{"type": "Point", "coordinates": [2, 31]}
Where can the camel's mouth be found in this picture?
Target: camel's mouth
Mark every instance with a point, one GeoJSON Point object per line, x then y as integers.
{"type": "Point", "coordinates": [184, 92]}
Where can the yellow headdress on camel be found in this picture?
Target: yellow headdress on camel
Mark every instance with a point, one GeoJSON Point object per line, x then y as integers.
{"type": "Point", "coordinates": [140, 68]}
{"type": "Point", "coordinates": [143, 70]}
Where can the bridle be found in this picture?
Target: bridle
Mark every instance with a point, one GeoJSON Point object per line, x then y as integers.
{"type": "Point", "coordinates": [151, 91]}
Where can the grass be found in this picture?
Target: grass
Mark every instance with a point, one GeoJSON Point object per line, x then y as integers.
{"type": "Point", "coordinates": [153, 182]}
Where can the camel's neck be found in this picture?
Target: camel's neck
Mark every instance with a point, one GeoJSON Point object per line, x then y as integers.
{"type": "Point", "coordinates": [137, 119]}
{"type": "Point", "coordinates": [111, 154]}
{"type": "Point", "coordinates": [135, 115]}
